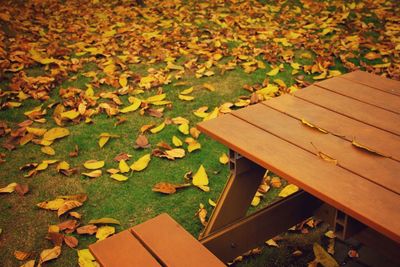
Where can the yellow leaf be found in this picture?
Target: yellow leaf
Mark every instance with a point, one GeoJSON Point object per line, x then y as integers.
{"type": "Point", "coordinates": [201, 112]}
{"type": "Point", "coordinates": [187, 91]}
{"type": "Point", "coordinates": [186, 97]}
{"type": "Point", "coordinates": [194, 132]}
{"type": "Point", "coordinates": [136, 104]}
{"type": "Point", "coordinates": [123, 167]}
{"type": "Point", "coordinates": [71, 114]}
{"type": "Point", "coordinates": [176, 153]}
{"type": "Point", "coordinates": [55, 133]}
{"type": "Point", "coordinates": [49, 254]}
{"type": "Point", "coordinates": [93, 174]}
{"type": "Point", "coordinates": [141, 163]}
{"type": "Point", "coordinates": [68, 205]}
{"type": "Point", "coordinates": [271, 243]}
{"type": "Point", "coordinates": [123, 80]}
{"type": "Point", "coordinates": [104, 221]}
{"type": "Point", "coordinates": [193, 145]}
{"type": "Point", "coordinates": [93, 164]}
{"type": "Point", "coordinates": [158, 128]}
{"type": "Point", "coordinates": [104, 231]}
{"type": "Point", "coordinates": [180, 120]}
{"type": "Point", "coordinates": [42, 166]}
{"type": "Point", "coordinates": [295, 65]}
{"type": "Point", "coordinates": [176, 141]}
{"type": "Point", "coordinates": [321, 76]}
{"type": "Point", "coordinates": [256, 201]}
{"type": "Point", "coordinates": [275, 182]}
{"type": "Point", "coordinates": [313, 126]}
{"type": "Point", "coordinates": [52, 204]}
{"type": "Point", "coordinates": [30, 263]}
{"type": "Point", "coordinates": [212, 115]}
{"type": "Point", "coordinates": [323, 257]}
{"type": "Point", "coordinates": [9, 188]}
{"type": "Point", "coordinates": [334, 73]}
{"type": "Point", "coordinates": [211, 202]}
{"type": "Point", "coordinates": [200, 178]}
{"type": "Point", "coordinates": [36, 131]}
{"type": "Point", "coordinates": [103, 140]}
{"type": "Point", "coordinates": [86, 259]}
{"type": "Point", "coordinates": [184, 128]}
{"type": "Point", "coordinates": [224, 159]}
{"type": "Point", "coordinates": [288, 190]}
{"type": "Point", "coordinates": [209, 87]}
{"type": "Point", "coordinates": [273, 71]}
{"type": "Point", "coordinates": [156, 98]}
{"type": "Point", "coordinates": [48, 150]}
{"type": "Point", "coordinates": [119, 177]}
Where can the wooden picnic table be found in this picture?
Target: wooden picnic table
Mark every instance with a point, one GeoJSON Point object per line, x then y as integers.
{"type": "Point", "coordinates": [338, 140]}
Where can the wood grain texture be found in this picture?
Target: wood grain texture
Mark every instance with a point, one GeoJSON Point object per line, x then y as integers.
{"type": "Point", "coordinates": [362, 93]}
{"type": "Point", "coordinates": [367, 202]}
{"type": "Point", "coordinates": [375, 81]}
{"type": "Point", "coordinates": [360, 111]}
{"type": "Point", "coordinates": [380, 170]}
{"type": "Point", "coordinates": [122, 250]}
{"type": "Point", "coordinates": [375, 138]}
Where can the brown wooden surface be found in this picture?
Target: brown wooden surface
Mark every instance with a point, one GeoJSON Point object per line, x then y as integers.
{"type": "Point", "coordinates": [362, 184]}
{"type": "Point", "coordinates": [360, 111]}
{"type": "Point", "coordinates": [362, 93]}
{"type": "Point", "coordinates": [375, 81]}
{"type": "Point", "coordinates": [122, 250]}
{"type": "Point", "coordinates": [349, 129]}
{"type": "Point", "coordinates": [172, 245]}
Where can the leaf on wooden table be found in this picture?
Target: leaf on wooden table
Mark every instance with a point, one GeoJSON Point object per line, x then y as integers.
{"type": "Point", "coordinates": [313, 126]}
{"type": "Point", "coordinates": [367, 149]}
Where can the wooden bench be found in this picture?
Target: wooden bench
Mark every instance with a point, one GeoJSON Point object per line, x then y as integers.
{"type": "Point", "coordinates": [157, 242]}
{"type": "Point", "coordinates": [344, 181]}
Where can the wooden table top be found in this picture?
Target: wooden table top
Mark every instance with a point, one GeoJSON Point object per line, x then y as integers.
{"type": "Point", "coordinates": [353, 110]}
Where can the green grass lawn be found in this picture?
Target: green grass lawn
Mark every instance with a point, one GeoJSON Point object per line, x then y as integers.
{"type": "Point", "coordinates": [238, 42]}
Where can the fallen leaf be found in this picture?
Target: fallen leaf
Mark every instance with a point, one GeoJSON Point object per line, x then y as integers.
{"type": "Point", "coordinates": [288, 190]}
{"type": "Point", "coordinates": [184, 128]}
{"type": "Point", "coordinates": [123, 166]}
{"type": "Point", "coordinates": [200, 179]}
{"type": "Point", "coordinates": [224, 159]}
{"type": "Point", "coordinates": [49, 254]}
{"type": "Point", "coordinates": [22, 189]}
{"type": "Point", "coordinates": [9, 188]}
{"type": "Point", "coordinates": [142, 142]}
{"type": "Point", "coordinates": [30, 263]}
{"type": "Point", "coordinates": [202, 214]}
{"type": "Point", "coordinates": [271, 243]}
{"type": "Point", "coordinates": [71, 241]}
{"type": "Point", "coordinates": [135, 105]}
{"type": "Point", "coordinates": [176, 141]}
{"type": "Point", "coordinates": [175, 153]}
{"type": "Point", "coordinates": [323, 257]}
{"type": "Point", "coordinates": [313, 126]}
{"type": "Point", "coordinates": [21, 255]}
{"type": "Point", "coordinates": [55, 133]}
{"type": "Point", "coordinates": [167, 188]}
{"type": "Point", "coordinates": [119, 177]}
{"type": "Point", "coordinates": [52, 204]}
{"type": "Point", "coordinates": [86, 259]}
{"type": "Point", "coordinates": [192, 144]}
{"type": "Point", "coordinates": [89, 229]}
{"type": "Point", "coordinates": [273, 71]}
{"type": "Point", "coordinates": [93, 164]}
{"type": "Point", "coordinates": [68, 205]}
{"type": "Point", "coordinates": [275, 182]}
{"type": "Point", "coordinates": [105, 221]}
{"type": "Point", "coordinates": [48, 150]}
{"type": "Point", "coordinates": [93, 174]}
{"type": "Point", "coordinates": [141, 163]}
{"type": "Point", "coordinates": [158, 128]}
{"type": "Point", "coordinates": [104, 231]}
{"type": "Point", "coordinates": [211, 202]}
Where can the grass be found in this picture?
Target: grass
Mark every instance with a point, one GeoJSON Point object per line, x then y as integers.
{"type": "Point", "coordinates": [24, 226]}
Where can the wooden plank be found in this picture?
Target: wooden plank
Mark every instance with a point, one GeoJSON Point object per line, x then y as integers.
{"type": "Point", "coordinates": [362, 93]}
{"type": "Point", "coordinates": [367, 202]}
{"type": "Point", "coordinates": [387, 143]}
{"type": "Point", "coordinates": [172, 244]}
{"type": "Point", "coordinates": [380, 170]}
{"type": "Point", "coordinates": [237, 195]}
{"type": "Point", "coordinates": [366, 113]}
{"type": "Point", "coordinates": [375, 81]}
{"type": "Point", "coordinates": [254, 230]}
{"type": "Point", "coordinates": [122, 250]}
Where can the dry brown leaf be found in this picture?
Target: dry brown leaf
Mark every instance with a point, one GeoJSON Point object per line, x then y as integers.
{"type": "Point", "coordinates": [21, 255]}
{"type": "Point", "coordinates": [68, 205]}
{"type": "Point", "coordinates": [49, 254]}
{"type": "Point", "coordinates": [71, 241]}
{"type": "Point", "coordinates": [142, 142]}
{"type": "Point", "coordinates": [167, 188]}
{"type": "Point", "coordinates": [89, 229]}
{"type": "Point", "coordinates": [22, 189]}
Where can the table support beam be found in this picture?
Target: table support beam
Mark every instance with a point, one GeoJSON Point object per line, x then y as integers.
{"type": "Point", "coordinates": [247, 233]}
{"type": "Point", "coordinates": [238, 193]}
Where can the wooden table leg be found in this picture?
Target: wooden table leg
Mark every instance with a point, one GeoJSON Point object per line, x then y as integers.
{"type": "Point", "coordinates": [238, 193]}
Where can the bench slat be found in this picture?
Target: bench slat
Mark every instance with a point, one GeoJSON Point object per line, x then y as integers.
{"type": "Point", "coordinates": [338, 187]}
{"type": "Point", "coordinates": [375, 81]}
{"type": "Point", "coordinates": [122, 250]}
{"type": "Point", "coordinates": [380, 170]}
{"type": "Point", "coordinates": [374, 138]}
{"type": "Point", "coordinates": [172, 244]}
{"type": "Point", "coordinates": [366, 113]}
{"type": "Point", "coordinates": [362, 93]}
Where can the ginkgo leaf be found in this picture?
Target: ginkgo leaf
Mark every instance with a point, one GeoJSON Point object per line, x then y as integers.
{"type": "Point", "coordinates": [176, 141]}
{"type": "Point", "coordinates": [93, 174]}
{"type": "Point", "coordinates": [141, 163]}
{"type": "Point", "coordinates": [224, 159]}
{"type": "Point", "coordinates": [288, 190]}
{"type": "Point", "coordinates": [48, 150]}
{"type": "Point", "coordinates": [9, 188]}
{"type": "Point", "coordinates": [200, 178]}
{"type": "Point", "coordinates": [93, 164]}
{"type": "Point", "coordinates": [55, 133]}
{"type": "Point", "coordinates": [123, 166]}
{"type": "Point", "coordinates": [105, 221]}
{"type": "Point", "coordinates": [135, 105]}
{"type": "Point", "coordinates": [184, 128]}
{"type": "Point", "coordinates": [158, 128]}
{"type": "Point", "coordinates": [119, 177]}
{"type": "Point", "coordinates": [49, 254]}
{"type": "Point", "coordinates": [104, 231]}
{"type": "Point", "coordinates": [68, 205]}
